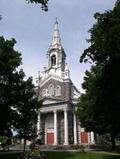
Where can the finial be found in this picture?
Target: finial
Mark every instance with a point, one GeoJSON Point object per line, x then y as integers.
{"type": "Point", "coordinates": [56, 19]}
{"type": "Point", "coordinates": [38, 78]}
{"type": "Point", "coordinates": [38, 73]}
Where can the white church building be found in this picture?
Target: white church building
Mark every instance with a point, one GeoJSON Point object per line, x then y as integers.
{"type": "Point", "coordinates": [57, 118]}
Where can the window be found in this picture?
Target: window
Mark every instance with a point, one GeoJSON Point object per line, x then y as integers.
{"type": "Point", "coordinates": [47, 92]}
{"type": "Point", "coordinates": [58, 91]}
{"type": "Point", "coordinates": [51, 90]}
{"type": "Point", "coordinates": [53, 60]}
{"type": "Point", "coordinates": [43, 92]}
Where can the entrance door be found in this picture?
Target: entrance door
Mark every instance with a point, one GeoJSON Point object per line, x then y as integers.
{"type": "Point", "coordinates": [50, 138]}
{"type": "Point", "coordinates": [84, 138]}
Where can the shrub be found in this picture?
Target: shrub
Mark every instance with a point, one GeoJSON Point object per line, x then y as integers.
{"type": "Point", "coordinates": [34, 153]}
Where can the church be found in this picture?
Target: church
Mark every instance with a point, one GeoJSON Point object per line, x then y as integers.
{"type": "Point", "coordinates": [57, 121]}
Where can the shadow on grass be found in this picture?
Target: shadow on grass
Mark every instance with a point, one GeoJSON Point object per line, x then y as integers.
{"type": "Point", "coordinates": [79, 155]}
{"type": "Point", "coordinates": [59, 155]}
{"type": "Point", "coordinates": [112, 157]}
{"type": "Point", "coordinates": [9, 155]}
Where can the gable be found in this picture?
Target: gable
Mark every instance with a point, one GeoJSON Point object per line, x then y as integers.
{"type": "Point", "coordinates": [50, 78]}
{"type": "Point", "coordinates": [55, 89]}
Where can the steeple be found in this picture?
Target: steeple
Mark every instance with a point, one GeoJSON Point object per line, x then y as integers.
{"type": "Point", "coordinates": [56, 54]}
{"type": "Point", "coordinates": [56, 57]}
{"type": "Point", "coordinates": [56, 36]}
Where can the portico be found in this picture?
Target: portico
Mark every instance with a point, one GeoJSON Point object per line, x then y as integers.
{"type": "Point", "coordinates": [54, 130]}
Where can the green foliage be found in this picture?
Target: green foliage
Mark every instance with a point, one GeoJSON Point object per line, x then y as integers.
{"type": "Point", "coordinates": [104, 37]}
{"type": "Point", "coordinates": [5, 142]}
{"type": "Point", "coordinates": [100, 105]}
{"type": "Point", "coordinates": [9, 61]}
{"type": "Point", "coordinates": [103, 142]}
{"type": "Point", "coordinates": [34, 153]}
{"type": "Point", "coordinates": [18, 99]}
{"type": "Point", "coordinates": [90, 110]}
{"type": "Point", "coordinates": [81, 148]}
{"type": "Point", "coordinates": [27, 110]}
{"type": "Point", "coordinates": [44, 3]}
{"type": "Point", "coordinates": [27, 106]}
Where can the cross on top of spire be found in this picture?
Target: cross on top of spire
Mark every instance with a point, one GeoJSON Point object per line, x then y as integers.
{"type": "Point", "coordinates": [56, 19]}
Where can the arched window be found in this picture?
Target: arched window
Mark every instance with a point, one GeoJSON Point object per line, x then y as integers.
{"type": "Point", "coordinates": [58, 91]}
{"type": "Point", "coordinates": [53, 60]}
{"type": "Point", "coordinates": [44, 92]}
{"type": "Point", "coordinates": [47, 92]}
{"type": "Point", "coordinates": [51, 90]}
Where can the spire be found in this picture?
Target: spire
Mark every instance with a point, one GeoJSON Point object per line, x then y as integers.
{"type": "Point", "coordinates": [56, 36]}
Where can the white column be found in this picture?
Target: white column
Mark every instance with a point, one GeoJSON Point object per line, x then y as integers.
{"type": "Point", "coordinates": [38, 126]}
{"type": "Point", "coordinates": [45, 135]}
{"type": "Point", "coordinates": [92, 138]}
{"type": "Point", "coordinates": [65, 127]}
{"type": "Point", "coordinates": [55, 128]}
{"type": "Point", "coordinates": [75, 128]}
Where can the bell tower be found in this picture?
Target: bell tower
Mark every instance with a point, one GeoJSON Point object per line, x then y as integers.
{"type": "Point", "coordinates": [56, 58]}
{"type": "Point", "coordinates": [56, 53]}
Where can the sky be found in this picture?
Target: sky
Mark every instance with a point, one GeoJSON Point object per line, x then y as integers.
{"type": "Point", "coordinates": [33, 28]}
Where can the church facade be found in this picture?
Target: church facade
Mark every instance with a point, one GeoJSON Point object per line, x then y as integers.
{"type": "Point", "coordinates": [57, 122]}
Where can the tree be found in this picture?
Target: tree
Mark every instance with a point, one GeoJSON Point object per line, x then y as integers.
{"type": "Point", "coordinates": [94, 111]}
{"type": "Point", "coordinates": [104, 52]}
{"type": "Point", "coordinates": [44, 3]}
{"type": "Point", "coordinates": [111, 94]}
{"type": "Point", "coordinates": [27, 107]}
{"type": "Point", "coordinates": [18, 99]}
{"type": "Point", "coordinates": [99, 106]}
{"type": "Point", "coordinates": [9, 61]}
{"type": "Point", "coordinates": [104, 37]}
{"type": "Point", "coordinates": [89, 110]}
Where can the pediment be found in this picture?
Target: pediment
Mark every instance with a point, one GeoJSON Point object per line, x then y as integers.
{"type": "Point", "coordinates": [51, 101]}
{"type": "Point", "coordinates": [51, 77]}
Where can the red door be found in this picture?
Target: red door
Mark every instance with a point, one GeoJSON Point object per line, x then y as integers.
{"type": "Point", "coordinates": [50, 138]}
{"type": "Point", "coordinates": [84, 138]}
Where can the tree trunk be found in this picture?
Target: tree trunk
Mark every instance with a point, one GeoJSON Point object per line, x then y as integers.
{"type": "Point", "coordinates": [113, 141]}
{"type": "Point", "coordinates": [24, 146]}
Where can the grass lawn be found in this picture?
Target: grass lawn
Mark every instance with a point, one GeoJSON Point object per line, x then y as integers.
{"type": "Point", "coordinates": [67, 155]}
{"type": "Point", "coordinates": [79, 155]}
{"type": "Point", "coordinates": [9, 156]}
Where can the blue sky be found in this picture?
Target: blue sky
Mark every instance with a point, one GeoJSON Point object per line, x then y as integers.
{"type": "Point", "coordinates": [32, 28]}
